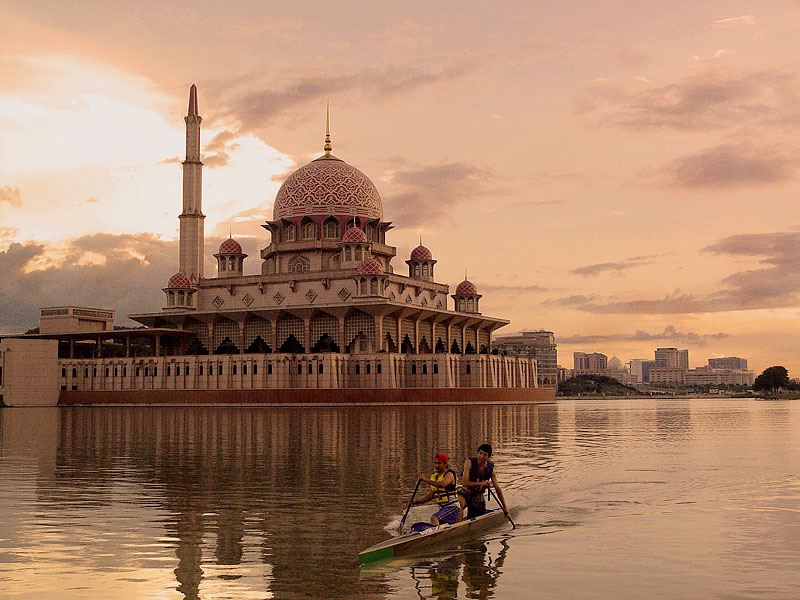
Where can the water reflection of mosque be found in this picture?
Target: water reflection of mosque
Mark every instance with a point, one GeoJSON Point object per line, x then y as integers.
{"type": "Point", "coordinates": [285, 488]}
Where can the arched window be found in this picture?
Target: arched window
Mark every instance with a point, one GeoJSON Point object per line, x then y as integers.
{"type": "Point", "coordinates": [244, 368]}
{"type": "Point", "coordinates": [232, 261]}
{"type": "Point", "coordinates": [200, 369]}
{"type": "Point", "coordinates": [290, 232]}
{"type": "Point", "coordinates": [299, 369]}
{"type": "Point", "coordinates": [168, 370]}
{"type": "Point", "coordinates": [358, 254]}
{"type": "Point", "coordinates": [369, 368]}
{"type": "Point", "coordinates": [348, 254]}
{"type": "Point", "coordinates": [469, 369]}
{"type": "Point", "coordinates": [378, 368]}
{"type": "Point", "coordinates": [373, 286]}
{"type": "Point", "coordinates": [86, 371]}
{"type": "Point", "coordinates": [255, 368]}
{"type": "Point", "coordinates": [233, 369]}
{"type": "Point", "coordinates": [425, 269]}
{"type": "Point", "coordinates": [435, 368]}
{"type": "Point", "coordinates": [416, 269]}
{"type": "Point", "coordinates": [425, 368]}
{"type": "Point", "coordinates": [358, 369]}
{"type": "Point", "coordinates": [471, 305]}
{"type": "Point", "coordinates": [413, 368]}
{"type": "Point", "coordinates": [298, 264]}
{"type": "Point", "coordinates": [223, 264]}
{"type": "Point", "coordinates": [136, 374]}
{"type": "Point", "coordinates": [309, 231]}
{"type": "Point", "coordinates": [210, 368]}
{"type": "Point", "coordinates": [331, 229]}
{"type": "Point", "coordinates": [177, 370]}
{"type": "Point", "coordinates": [269, 369]}
{"type": "Point", "coordinates": [64, 372]}
{"type": "Point", "coordinates": [75, 372]}
{"type": "Point", "coordinates": [310, 368]}
{"type": "Point", "coordinates": [320, 368]}
{"type": "Point", "coordinates": [115, 371]}
{"type": "Point", "coordinates": [370, 232]}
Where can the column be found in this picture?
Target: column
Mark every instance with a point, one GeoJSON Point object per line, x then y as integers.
{"type": "Point", "coordinates": [307, 334]}
{"type": "Point", "coordinates": [241, 336]}
{"type": "Point", "coordinates": [378, 333]}
{"type": "Point", "coordinates": [342, 342]}
{"type": "Point", "coordinates": [158, 345]}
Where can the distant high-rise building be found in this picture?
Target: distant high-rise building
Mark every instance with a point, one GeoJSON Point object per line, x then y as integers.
{"type": "Point", "coordinates": [672, 358]}
{"type": "Point", "coordinates": [589, 364]}
{"type": "Point", "coordinates": [541, 345]}
{"type": "Point", "coordinates": [636, 370]}
{"type": "Point", "coordinates": [728, 362]}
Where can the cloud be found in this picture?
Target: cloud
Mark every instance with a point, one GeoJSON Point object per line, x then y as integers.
{"type": "Point", "coordinates": [216, 153]}
{"type": "Point", "coordinates": [7, 233]}
{"type": "Point", "coordinates": [619, 266]}
{"type": "Point", "coordinates": [706, 101]}
{"type": "Point", "coordinates": [670, 333]}
{"type": "Point", "coordinates": [11, 195]}
{"type": "Point", "coordinates": [776, 285]}
{"type": "Point", "coordinates": [734, 22]}
{"type": "Point", "coordinates": [256, 108]}
{"type": "Point", "coordinates": [129, 277]}
{"type": "Point", "coordinates": [731, 166]}
{"type": "Point", "coordinates": [512, 289]}
{"type": "Point", "coordinates": [428, 194]}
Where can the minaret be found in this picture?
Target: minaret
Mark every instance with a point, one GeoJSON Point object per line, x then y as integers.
{"type": "Point", "coordinates": [191, 219]}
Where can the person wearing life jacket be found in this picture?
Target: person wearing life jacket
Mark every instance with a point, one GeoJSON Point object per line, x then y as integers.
{"type": "Point", "coordinates": [443, 491]}
{"type": "Point", "coordinates": [476, 477]}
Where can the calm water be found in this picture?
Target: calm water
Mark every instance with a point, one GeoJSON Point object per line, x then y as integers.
{"type": "Point", "coordinates": [639, 499]}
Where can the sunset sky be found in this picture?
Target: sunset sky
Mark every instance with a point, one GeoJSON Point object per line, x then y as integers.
{"type": "Point", "coordinates": [624, 174]}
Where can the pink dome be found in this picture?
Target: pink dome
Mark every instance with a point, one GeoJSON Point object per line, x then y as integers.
{"type": "Point", "coordinates": [466, 288]}
{"type": "Point", "coordinates": [327, 186]}
{"type": "Point", "coordinates": [354, 234]}
{"type": "Point", "coordinates": [230, 246]}
{"type": "Point", "coordinates": [421, 253]}
{"type": "Point", "coordinates": [179, 281]}
{"type": "Point", "coordinates": [370, 267]}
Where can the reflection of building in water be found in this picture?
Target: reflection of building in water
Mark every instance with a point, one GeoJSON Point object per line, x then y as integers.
{"type": "Point", "coordinates": [283, 487]}
{"type": "Point", "coordinates": [325, 311]}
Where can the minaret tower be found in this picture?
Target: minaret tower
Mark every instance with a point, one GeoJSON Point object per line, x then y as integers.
{"type": "Point", "coordinates": [191, 219]}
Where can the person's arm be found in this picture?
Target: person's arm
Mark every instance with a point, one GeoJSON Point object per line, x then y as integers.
{"type": "Point", "coordinates": [426, 498]}
{"type": "Point", "coordinates": [499, 493]}
{"type": "Point", "coordinates": [466, 483]}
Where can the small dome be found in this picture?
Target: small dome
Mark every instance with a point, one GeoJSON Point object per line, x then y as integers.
{"type": "Point", "coordinates": [179, 281]}
{"type": "Point", "coordinates": [615, 364]}
{"type": "Point", "coordinates": [230, 246]}
{"type": "Point", "coordinates": [354, 234]}
{"type": "Point", "coordinates": [466, 288]}
{"type": "Point", "coordinates": [370, 267]}
{"type": "Point", "coordinates": [421, 253]}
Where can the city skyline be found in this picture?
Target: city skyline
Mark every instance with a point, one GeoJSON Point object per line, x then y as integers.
{"type": "Point", "coordinates": [642, 196]}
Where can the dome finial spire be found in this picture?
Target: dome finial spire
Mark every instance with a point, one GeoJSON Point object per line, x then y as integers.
{"type": "Point", "coordinates": [328, 146]}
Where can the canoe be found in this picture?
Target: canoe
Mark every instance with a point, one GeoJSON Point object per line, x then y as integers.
{"type": "Point", "coordinates": [410, 543]}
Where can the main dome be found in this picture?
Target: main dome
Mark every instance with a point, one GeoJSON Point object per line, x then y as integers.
{"type": "Point", "coordinates": [327, 186]}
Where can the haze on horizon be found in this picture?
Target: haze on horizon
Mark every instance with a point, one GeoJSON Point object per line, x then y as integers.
{"type": "Point", "coordinates": [624, 174]}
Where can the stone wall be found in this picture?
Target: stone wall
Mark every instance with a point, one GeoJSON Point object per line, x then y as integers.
{"type": "Point", "coordinates": [28, 372]}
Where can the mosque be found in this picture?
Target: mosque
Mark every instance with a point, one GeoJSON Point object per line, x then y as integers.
{"type": "Point", "coordinates": [327, 319]}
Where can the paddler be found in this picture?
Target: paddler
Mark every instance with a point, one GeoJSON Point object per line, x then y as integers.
{"type": "Point", "coordinates": [443, 491]}
{"type": "Point", "coordinates": [476, 477]}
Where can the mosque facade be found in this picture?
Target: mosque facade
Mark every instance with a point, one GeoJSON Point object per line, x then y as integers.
{"type": "Point", "coordinates": [327, 311]}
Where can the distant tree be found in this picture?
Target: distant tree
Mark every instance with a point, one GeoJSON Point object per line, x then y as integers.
{"type": "Point", "coordinates": [30, 331]}
{"type": "Point", "coordinates": [772, 380]}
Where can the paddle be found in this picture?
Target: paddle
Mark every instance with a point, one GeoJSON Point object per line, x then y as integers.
{"type": "Point", "coordinates": [403, 520]}
{"type": "Point", "coordinates": [500, 502]}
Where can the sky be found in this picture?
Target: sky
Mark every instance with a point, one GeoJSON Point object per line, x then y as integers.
{"type": "Point", "coordinates": [624, 174]}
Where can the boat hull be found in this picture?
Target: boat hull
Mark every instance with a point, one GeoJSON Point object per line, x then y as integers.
{"type": "Point", "coordinates": [411, 543]}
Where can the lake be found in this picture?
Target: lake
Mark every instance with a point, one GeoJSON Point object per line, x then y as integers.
{"type": "Point", "coordinates": [612, 498]}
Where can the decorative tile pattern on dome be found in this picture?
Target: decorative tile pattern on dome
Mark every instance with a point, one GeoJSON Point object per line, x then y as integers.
{"type": "Point", "coordinates": [311, 295]}
{"type": "Point", "coordinates": [354, 234]}
{"type": "Point", "coordinates": [327, 186]}
{"type": "Point", "coordinates": [466, 288]}
{"type": "Point", "coordinates": [230, 246]}
{"type": "Point", "coordinates": [421, 253]}
{"type": "Point", "coordinates": [179, 281]}
{"type": "Point", "coordinates": [218, 302]}
{"type": "Point", "coordinates": [247, 299]}
{"type": "Point", "coordinates": [278, 297]}
{"type": "Point", "coordinates": [370, 267]}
